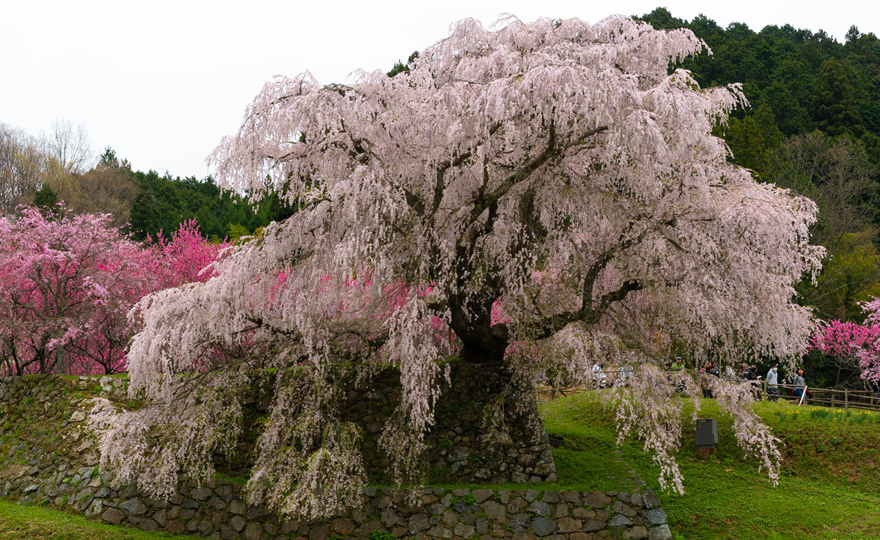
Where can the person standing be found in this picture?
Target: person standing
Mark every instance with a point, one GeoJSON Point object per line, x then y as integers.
{"type": "Point", "coordinates": [712, 369]}
{"type": "Point", "coordinates": [677, 365]}
{"type": "Point", "coordinates": [598, 376]}
{"type": "Point", "coordinates": [752, 377]}
{"type": "Point", "coordinates": [799, 384]}
{"type": "Point", "coordinates": [708, 369]}
{"type": "Point", "coordinates": [704, 383]}
{"type": "Point", "coordinates": [772, 381]}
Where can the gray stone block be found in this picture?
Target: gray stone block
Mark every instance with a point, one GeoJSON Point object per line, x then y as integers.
{"type": "Point", "coordinates": [495, 511]}
{"type": "Point", "coordinates": [543, 526]}
{"type": "Point", "coordinates": [654, 516]}
{"type": "Point", "coordinates": [253, 531]}
{"type": "Point", "coordinates": [621, 508]}
{"type": "Point", "coordinates": [481, 495]}
{"type": "Point", "coordinates": [594, 525]}
{"type": "Point", "coordinates": [439, 531]}
{"type": "Point", "coordinates": [572, 497]}
{"type": "Point", "coordinates": [133, 507]}
{"type": "Point", "coordinates": [620, 521]}
{"type": "Point", "coordinates": [319, 533]}
{"type": "Point", "coordinates": [161, 517]}
{"type": "Point", "coordinates": [237, 507]}
{"type": "Point", "coordinates": [660, 533]}
{"type": "Point", "coordinates": [540, 508]}
{"type": "Point", "coordinates": [225, 493]}
{"type": "Point", "coordinates": [551, 497]}
{"type": "Point", "coordinates": [113, 516]}
{"type": "Point", "coordinates": [449, 518]}
{"type": "Point", "coordinates": [635, 533]}
{"type": "Point", "coordinates": [519, 522]}
{"type": "Point", "coordinates": [463, 531]}
{"type": "Point", "coordinates": [339, 525]}
{"type": "Point", "coordinates": [419, 522]}
{"type": "Point", "coordinates": [650, 500]}
{"type": "Point", "coordinates": [201, 494]}
{"type": "Point", "coordinates": [237, 523]}
{"type": "Point", "coordinates": [149, 525]}
{"type": "Point", "coordinates": [568, 525]}
{"type": "Point", "coordinates": [597, 499]}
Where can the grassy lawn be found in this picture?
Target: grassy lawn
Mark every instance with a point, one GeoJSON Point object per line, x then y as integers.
{"type": "Point", "coordinates": [18, 522]}
{"type": "Point", "coordinates": [828, 486]}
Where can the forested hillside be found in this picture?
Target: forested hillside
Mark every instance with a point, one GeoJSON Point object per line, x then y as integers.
{"type": "Point", "coordinates": [162, 203]}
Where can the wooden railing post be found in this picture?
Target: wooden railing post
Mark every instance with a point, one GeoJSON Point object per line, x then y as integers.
{"type": "Point", "coordinates": [845, 398]}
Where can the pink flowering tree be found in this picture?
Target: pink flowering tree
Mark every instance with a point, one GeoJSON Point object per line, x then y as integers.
{"type": "Point", "coordinates": [187, 257]}
{"type": "Point", "coordinates": [67, 284]}
{"type": "Point", "coordinates": [559, 147]}
{"type": "Point", "coordinates": [869, 354]}
{"type": "Point", "coordinates": [852, 346]}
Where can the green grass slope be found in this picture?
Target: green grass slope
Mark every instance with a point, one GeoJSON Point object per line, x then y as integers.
{"type": "Point", "coordinates": [828, 487]}
{"type": "Point", "coordinates": [20, 522]}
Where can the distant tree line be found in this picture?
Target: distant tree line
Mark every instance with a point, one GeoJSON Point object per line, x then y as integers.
{"type": "Point", "coordinates": [60, 167]}
{"type": "Point", "coordinates": [161, 203]}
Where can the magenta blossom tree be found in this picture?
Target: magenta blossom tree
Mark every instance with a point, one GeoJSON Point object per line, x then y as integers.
{"type": "Point", "coordinates": [557, 149]}
{"type": "Point", "coordinates": [187, 257]}
{"type": "Point", "coordinates": [69, 282]}
{"type": "Point", "coordinates": [858, 343]}
{"type": "Point", "coordinates": [853, 346]}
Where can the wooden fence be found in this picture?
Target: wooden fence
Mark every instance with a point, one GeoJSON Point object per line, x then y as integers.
{"type": "Point", "coordinates": [828, 397]}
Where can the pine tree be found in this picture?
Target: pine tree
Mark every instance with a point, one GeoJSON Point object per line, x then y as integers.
{"type": "Point", "coordinates": [835, 100]}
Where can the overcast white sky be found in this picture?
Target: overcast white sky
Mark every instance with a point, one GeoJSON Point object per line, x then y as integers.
{"type": "Point", "coordinates": [163, 81]}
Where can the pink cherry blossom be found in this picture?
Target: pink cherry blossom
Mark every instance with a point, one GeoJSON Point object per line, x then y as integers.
{"type": "Point", "coordinates": [69, 281]}
{"type": "Point", "coordinates": [550, 187]}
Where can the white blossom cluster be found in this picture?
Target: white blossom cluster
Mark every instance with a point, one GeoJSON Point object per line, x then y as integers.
{"type": "Point", "coordinates": [556, 168]}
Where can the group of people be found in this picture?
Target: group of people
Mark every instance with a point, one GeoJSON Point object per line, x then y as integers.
{"type": "Point", "coordinates": [606, 375]}
{"type": "Point", "coordinates": [748, 373]}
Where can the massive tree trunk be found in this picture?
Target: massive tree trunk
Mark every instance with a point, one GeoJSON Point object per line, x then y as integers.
{"type": "Point", "coordinates": [482, 343]}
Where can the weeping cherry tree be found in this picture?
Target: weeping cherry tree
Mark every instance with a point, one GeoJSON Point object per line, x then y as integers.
{"type": "Point", "coordinates": [558, 171]}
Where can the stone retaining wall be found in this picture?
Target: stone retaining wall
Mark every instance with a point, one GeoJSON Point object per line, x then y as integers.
{"type": "Point", "coordinates": [218, 511]}
{"type": "Point", "coordinates": [51, 459]}
{"type": "Point", "coordinates": [460, 448]}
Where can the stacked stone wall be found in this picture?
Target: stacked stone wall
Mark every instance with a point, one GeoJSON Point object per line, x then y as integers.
{"type": "Point", "coordinates": [218, 511]}
{"type": "Point", "coordinates": [461, 447]}
{"type": "Point", "coordinates": [53, 461]}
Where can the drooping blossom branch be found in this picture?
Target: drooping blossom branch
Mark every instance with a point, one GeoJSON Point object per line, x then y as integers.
{"type": "Point", "coordinates": [549, 187]}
